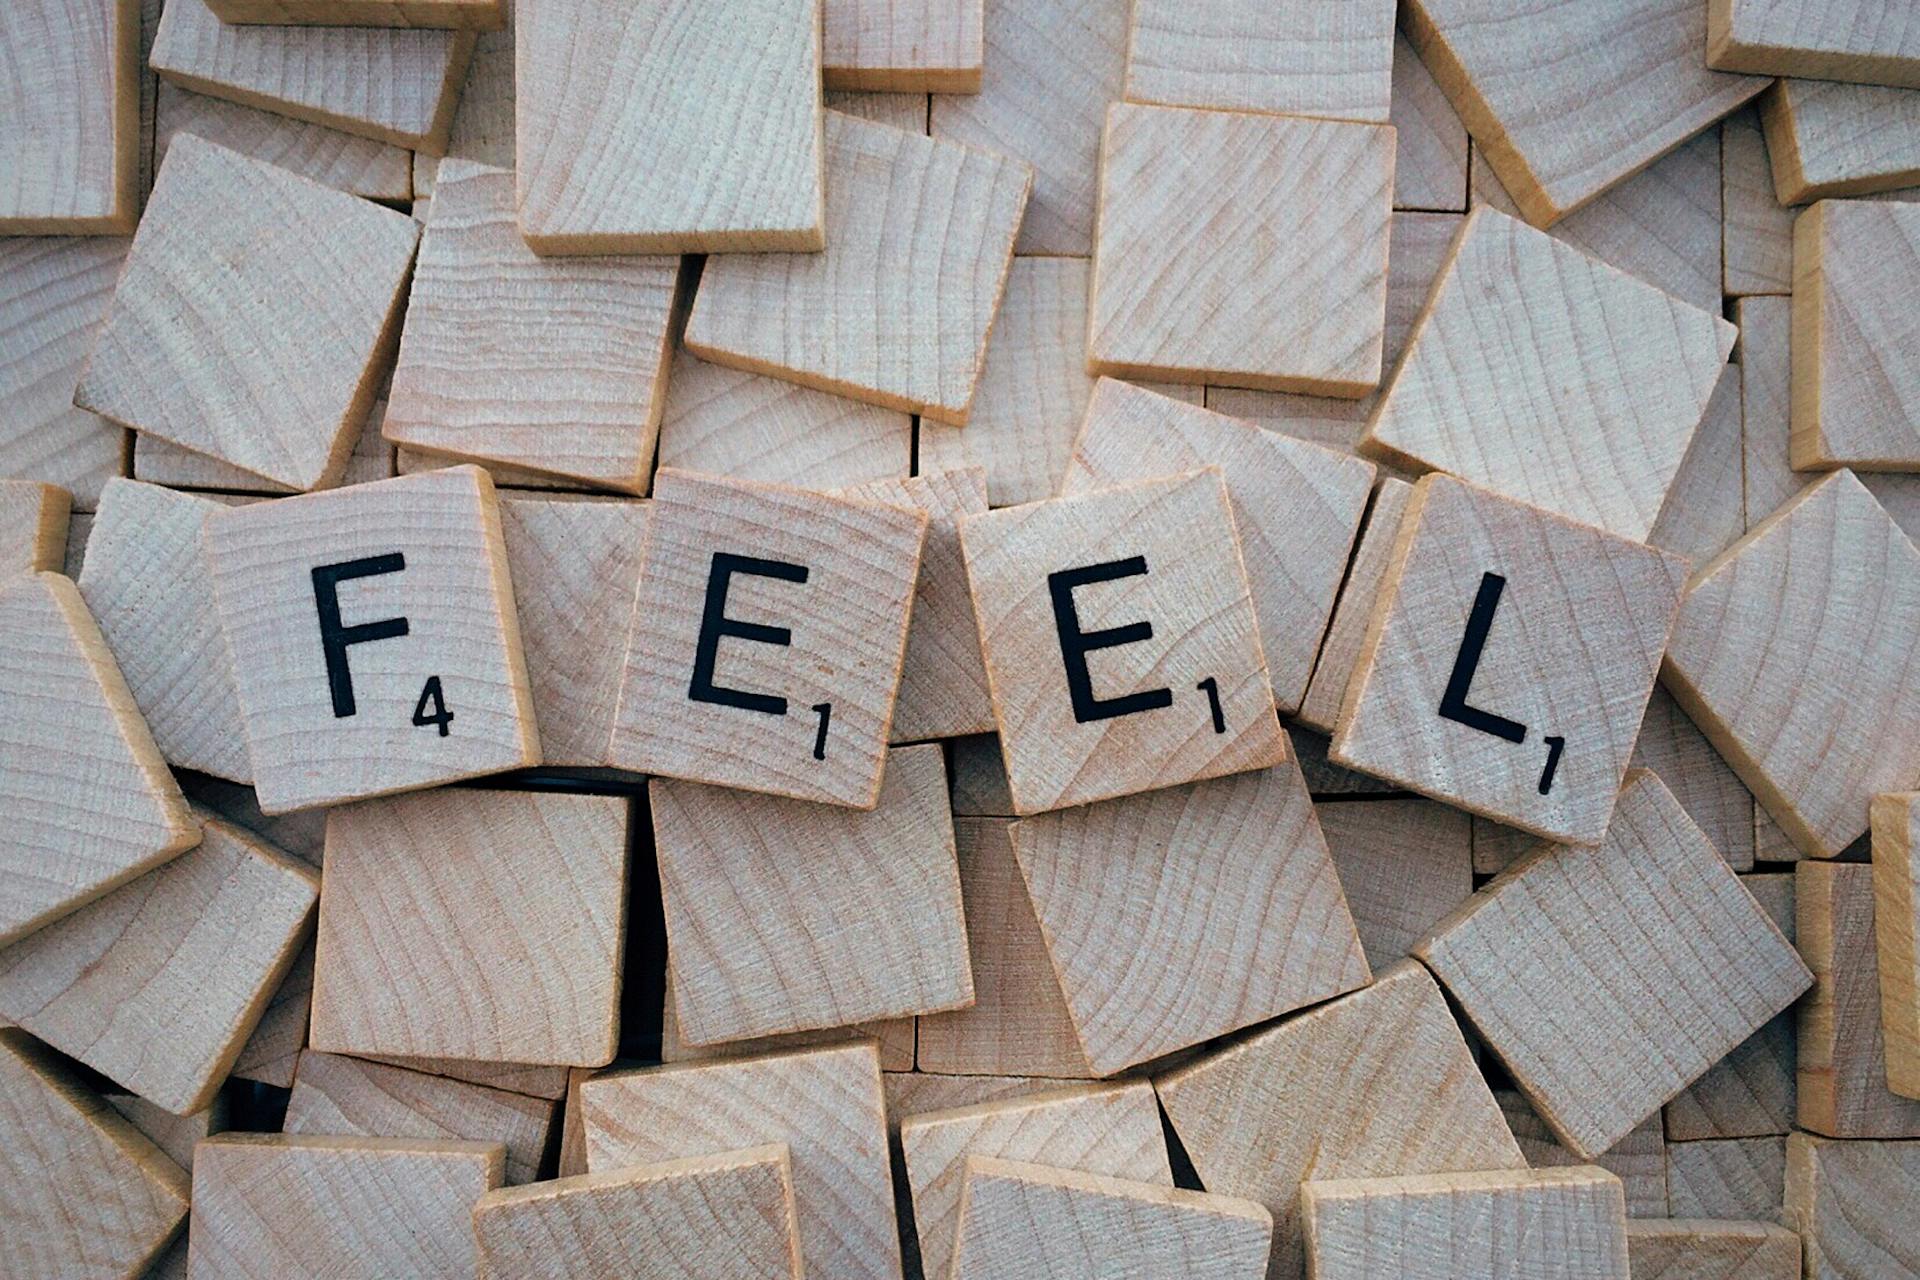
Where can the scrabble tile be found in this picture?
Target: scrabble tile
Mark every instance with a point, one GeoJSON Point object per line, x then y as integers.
{"type": "Point", "coordinates": [825, 1104]}
{"type": "Point", "coordinates": [1896, 903]}
{"type": "Point", "coordinates": [1702, 1249]}
{"type": "Point", "coordinates": [302, 834]}
{"type": "Point", "coordinates": [175, 1135]}
{"type": "Point", "coordinates": [1639, 1159]}
{"type": "Point", "coordinates": [1304, 312]}
{"type": "Point", "coordinates": [1188, 875]}
{"type": "Point", "coordinates": [91, 801]}
{"type": "Point", "coordinates": [912, 1093]}
{"type": "Point", "coordinates": [1296, 57]}
{"type": "Point", "coordinates": [452, 15]}
{"type": "Point", "coordinates": [1473, 390]}
{"type": "Point", "coordinates": [358, 166]}
{"type": "Point", "coordinates": [1796, 678]}
{"type": "Point", "coordinates": [1430, 151]}
{"type": "Point", "coordinates": [662, 131]}
{"type": "Point", "coordinates": [1829, 139]}
{"type": "Point", "coordinates": [1735, 1178]}
{"type": "Point", "coordinates": [1621, 1012]}
{"type": "Point", "coordinates": [570, 380]}
{"type": "Point", "coordinates": [893, 1037]}
{"type": "Point", "coordinates": [429, 945]}
{"type": "Point", "coordinates": [1713, 796]}
{"type": "Point", "coordinates": [347, 1096]}
{"type": "Point", "coordinates": [1126, 730]}
{"type": "Point", "coordinates": [1403, 865]}
{"type": "Point", "coordinates": [724, 1217]}
{"type": "Point", "coordinates": [392, 86]}
{"type": "Point", "coordinates": [528, 1079]}
{"type": "Point", "coordinates": [1497, 847]}
{"type": "Point", "coordinates": [1757, 232]}
{"type": "Point", "coordinates": [916, 46]}
{"type": "Point", "coordinates": [879, 316]}
{"type": "Point", "coordinates": [1705, 512]}
{"type": "Point", "coordinates": [1111, 1130]}
{"type": "Point", "coordinates": [160, 461]}
{"type": "Point", "coordinates": [426, 628]}
{"type": "Point", "coordinates": [1346, 632]}
{"type": "Point", "coordinates": [1854, 1204]}
{"type": "Point", "coordinates": [273, 1204]}
{"type": "Point", "coordinates": [69, 157]}
{"type": "Point", "coordinates": [33, 527]}
{"type": "Point", "coordinates": [224, 241]}
{"type": "Point", "coordinates": [272, 1052]}
{"type": "Point", "coordinates": [1870, 42]}
{"type": "Point", "coordinates": [1567, 1222]}
{"type": "Point", "coordinates": [1474, 619]}
{"type": "Point", "coordinates": [1561, 136]}
{"type": "Point", "coordinates": [901, 110]}
{"type": "Point", "coordinates": [1373, 1083]}
{"type": "Point", "coordinates": [64, 1148]}
{"type": "Point", "coordinates": [483, 120]}
{"type": "Point", "coordinates": [1015, 1217]}
{"type": "Point", "coordinates": [572, 1156]}
{"type": "Point", "coordinates": [814, 592]}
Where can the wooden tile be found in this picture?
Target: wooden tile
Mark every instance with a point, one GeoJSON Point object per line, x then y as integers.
{"type": "Point", "coordinates": [814, 591]}
{"type": "Point", "coordinates": [429, 609]}
{"type": "Point", "coordinates": [1403, 865]}
{"type": "Point", "coordinates": [301, 834]}
{"type": "Point", "coordinates": [347, 1096]}
{"type": "Point", "coordinates": [529, 1079]}
{"type": "Point", "coordinates": [572, 1158]}
{"type": "Point", "coordinates": [391, 86]}
{"type": "Point", "coordinates": [1705, 512]}
{"type": "Point", "coordinates": [1896, 903]}
{"type": "Point", "coordinates": [1431, 153]}
{"type": "Point", "coordinates": [1639, 1159]}
{"type": "Point", "coordinates": [33, 527]}
{"type": "Point", "coordinates": [1870, 42]}
{"type": "Point", "coordinates": [1732, 1178]}
{"type": "Point", "coordinates": [1473, 619]}
{"type": "Point", "coordinates": [1497, 847]}
{"type": "Point", "coordinates": [1375, 1082]}
{"type": "Point", "coordinates": [722, 1217]}
{"type": "Point", "coordinates": [878, 316]}
{"type": "Point", "coordinates": [174, 1135]}
{"type": "Point", "coordinates": [483, 122]}
{"type": "Point", "coordinates": [825, 1104]}
{"type": "Point", "coordinates": [1798, 678]}
{"type": "Point", "coordinates": [70, 152]}
{"type": "Point", "coordinates": [1126, 731]}
{"type": "Point", "coordinates": [1111, 1130]}
{"type": "Point", "coordinates": [63, 1150]}
{"type": "Point", "coordinates": [1235, 867]}
{"type": "Point", "coordinates": [1710, 792]}
{"type": "Point", "coordinates": [92, 803]}
{"type": "Point", "coordinates": [912, 1093]}
{"type": "Point", "coordinates": [1032, 1219]}
{"type": "Point", "coordinates": [893, 1037]}
{"type": "Point", "coordinates": [1828, 139]}
{"type": "Point", "coordinates": [451, 15]}
{"type": "Point", "coordinates": [661, 131]}
{"type": "Point", "coordinates": [1757, 232]}
{"type": "Point", "coordinates": [1302, 59]}
{"type": "Point", "coordinates": [1629, 997]}
{"type": "Point", "coordinates": [271, 1204]}
{"type": "Point", "coordinates": [1854, 1204]}
{"type": "Point", "coordinates": [429, 944]}
{"type": "Point", "coordinates": [1637, 90]}
{"type": "Point", "coordinates": [901, 110]}
{"type": "Point", "coordinates": [1296, 507]}
{"type": "Point", "coordinates": [78, 527]}
{"type": "Point", "coordinates": [1346, 633]}
{"type": "Point", "coordinates": [1018, 1023]}
{"type": "Point", "coordinates": [1301, 313]}
{"type": "Point", "coordinates": [272, 1052]}
{"type": "Point", "coordinates": [917, 46]}
{"type": "Point", "coordinates": [358, 166]}
{"type": "Point", "coordinates": [1702, 1249]}
{"type": "Point", "coordinates": [160, 461]}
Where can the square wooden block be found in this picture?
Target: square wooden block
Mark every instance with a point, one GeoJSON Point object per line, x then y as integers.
{"type": "Point", "coordinates": [1703, 1249]}
{"type": "Point", "coordinates": [896, 310]}
{"type": "Point", "coordinates": [1295, 57]}
{"type": "Point", "coordinates": [1403, 866]}
{"type": "Point", "coordinates": [430, 944]}
{"type": "Point", "coordinates": [1190, 876]}
{"type": "Point", "coordinates": [1826, 139]}
{"type": "Point", "coordinates": [1191, 285]}
{"type": "Point", "coordinates": [1483, 681]}
{"type": "Point", "coordinates": [1730, 1179]}
{"type": "Point", "coordinates": [70, 154]}
{"type": "Point", "coordinates": [33, 527]}
{"type": "Point", "coordinates": [251, 252]}
{"type": "Point", "coordinates": [1854, 1203]}
{"type": "Point", "coordinates": [920, 46]}
{"type": "Point", "coordinates": [1896, 910]}
{"type": "Point", "coordinates": [787, 916]}
{"type": "Point", "coordinates": [1627, 1000]}
{"type": "Point", "coordinates": [1872, 41]}
{"type": "Point", "coordinates": [451, 15]}
{"type": "Point", "coordinates": [1431, 158]}
{"type": "Point", "coordinates": [1639, 1159]}
{"type": "Point", "coordinates": [358, 166]}
{"type": "Point", "coordinates": [377, 620]}
{"type": "Point", "coordinates": [1070, 595]}
{"type": "Point", "coordinates": [767, 639]}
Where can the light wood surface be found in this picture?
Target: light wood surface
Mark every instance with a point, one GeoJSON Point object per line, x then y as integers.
{"type": "Point", "coordinates": [69, 157]}
{"type": "Point", "coordinates": [903, 45]}
{"type": "Point", "coordinates": [431, 945]}
{"type": "Point", "coordinates": [901, 110]}
{"type": "Point", "coordinates": [301, 834]}
{"type": "Point", "coordinates": [1827, 139]}
{"type": "Point", "coordinates": [1854, 1203]}
{"type": "Point", "coordinates": [273, 1050]}
{"type": "Point", "coordinates": [1403, 865]}
{"type": "Point", "coordinates": [33, 527]}
{"type": "Point", "coordinates": [912, 1093]}
{"type": "Point", "coordinates": [1639, 1159]}
{"type": "Point", "coordinates": [1864, 40]}
{"type": "Point", "coordinates": [893, 1037]}
{"type": "Point", "coordinates": [1726, 1178]}
{"type": "Point", "coordinates": [1295, 57]}
{"type": "Point", "coordinates": [1705, 510]}
{"type": "Point", "coordinates": [483, 120]}
{"type": "Point", "coordinates": [358, 166]}
{"type": "Point", "coordinates": [529, 1079]}
{"type": "Point", "coordinates": [160, 461]}
{"type": "Point", "coordinates": [174, 1135]}
{"type": "Point", "coordinates": [1705, 1249]}
{"type": "Point", "coordinates": [1430, 151]}
{"type": "Point", "coordinates": [1757, 232]}
{"type": "Point", "coordinates": [1346, 632]}
{"type": "Point", "coordinates": [1712, 794]}
{"type": "Point", "coordinates": [1896, 913]}
{"type": "Point", "coordinates": [452, 15]}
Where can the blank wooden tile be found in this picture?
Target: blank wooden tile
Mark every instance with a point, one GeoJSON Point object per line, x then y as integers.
{"type": "Point", "coordinates": [358, 166]}
{"type": "Point", "coordinates": [814, 592]}
{"type": "Point", "coordinates": [1187, 288]}
{"type": "Point", "coordinates": [1896, 908]}
{"type": "Point", "coordinates": [1225, 893]}
{"type": "Point", "coordinates": [33, 527]}
{"type": "Point", "coordinates": [1482, 388]}
{"type": "Point", "coordinates": [1704, 1249]}
{"type": "Point", "coordinates": [1854, 1204]}
{"type": "Point", "coordinates": [722, 1217]}
{"type": "Point", "coordinates": [427, 549]}
{"type": "Point", "coordinates": [1303, 59]}
{"type": "Point", "coordinates": [1828, 139]}
{"type": "Point", "coordinates": [90, 800]}
{"type": "Point", "coordinates": [160, 461]}
{"type": "Point", "coordinates": [1871, 42]}
{"type": "Point", "coordinates": [1562, 1222]}
{"type": "Point", "coordinates": [454, 15]}
{"type": "Point", "coordinates": [1733, 1178]}
{"type": "Point", "coordinates": [1497, 847]}
{"type": "Point", "coordinates": [1639, 1159]}
{"type": "Point", "coordinates": [979, 778]}
{"type": "Point", "coordinates": [1471, 686]}
{"type": "Point", "coordinates": [1705, 512]}
{"type": "Point", "coordinates": [1561, 135]}
{"type": "Point", "coordinates": [893, 1037]}
{"type": "Point", "coordinates": [273, 1050]}
{"type": "Point", "coordinates": [430, 944]}
{"type": "Point", "coordinates": [529, 1079]}
{"type": "Point", "coordinates": [86, 1192]}
{"type": "Point", "coordinates": [271, 1204]}
{"type": "Point", "coordinates": [1373, 1083]}
{"type": "Point", "coordinates": [901, 110]}
{"type": "Point", "coordinates": [912, 1093]}
{"type": "Point", "coordinates": [1713, 796]}
{"type": "Point", "coordinates": [69, 157]}
{"type": "Point", "coordinates": [903, 45]}
{"type": "Point", "coordinates": [1126, 726]}
{"type": "Point", "coordinates": [1430, 152]}
{"type": "Point", "coordinates": [301, 834]}
{"type": "Point", "coordinates": [825, 1104]}
{"type": "Point", "coordinates": [392, 86]}
{"type": "Point", "coordinates": [483, 121]}
{"type": "Point", "coordinates": [879, 316]}
{"type": "Point", "coordinates": [1757, 232]}
{"type": "Point", "coordinates": [175, 1135]}
{"type": "Point", "coordinates": [1032, 1219]}
{"type": "Point", "coordinates": [1403, 865]}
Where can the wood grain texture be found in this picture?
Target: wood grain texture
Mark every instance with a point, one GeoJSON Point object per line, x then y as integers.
{"type": "Point", "coordinates": [449, 15]}
{"type": "Point", "coordinates": [1498, 1224]}
{"type": "Point", "coordinates": [1403, 865]}
{"type": "Point", "coordinates": [903, 45]}
{"type": "Point", "coordinates": [571, 1160]}
{"type": "Point", "coordinates": [1636, 91]}
{"type": "Point", "coordinates": [1756, 232]}
{"type": "Point", "coordinates": [1853, 1203]}
{"type": "Point", "coordinates": [1373, 1083]}
{"type": "Point", "coordinates": [431, 945]}
{"type": "Point", "coordinates": [1896, 911]}
{"type": "Point", "coordinates": [1826, 139]}
{"type": "Point", "coordinates": [1639, 1159]}
{"type": "Point", "coordinates": [1705, 1249]}
{"type": "Point", "coordinates": [64, 1148]}
{"type": "Point", "coordinates": [1295, 57]}
{"type": "Point", "coordinates": [160, 461]}
{"type": "Point", "coordinates": [1560, 586]}
{"type": "Point", "coordinates": [273, 1050]}
{"type": "Point", "coordinates": [1430, 147]}
{"type": "Point", "coordinates": [879, 316]}
{"type": "Point", "coordinates": [272, 1204]}
{"type": "Point", "coordinates": [979, 778]}
{"type": "Point", "coordinates": [33, 527]}
{"type": "Point", "coordinates": [1712, 794]}
{"type": "Point", "coordinates": [1346, 632]}
{"type": "Point", "coordinates": [391, 86]}
{"type": "Point", "coordinates": [529, 1079]}
{"type": "Point", "coordinates": [1052, 1224]}
{"type": "Point", "coordinates": [1705, 510]}
{"type": "Point", "coordinates": [90, 801]}
{"type": "Point", "coordinates": [722, 1217]}
{"type": "Point", "coordinates": [893, 1038]}
{"type": "Point", "coordinates": [483, 121]}
{"type": "Point", "coordinates": [1729, 1178]}
{"type": "Point", "coordinates": [301, 834]}
{"type": "Point", "coordinates": [1187, 288]}
{"type": "Point", "coordinates": [912, 1093]}
{"type": "Point", "coordinates": [358, 166]}
{"type": "Point", "coordinates": [825, 1104]}
{"type": "Point", "coordinates": [1872, 41]}
{"type": "Point", "coordinates": [70, 156]}
{"type": "Point", "coordinates": [901, 110]}
{"type": "Point", "coordinates": [175, 1135]}
{"type": "Point", "coordinates": [1523, 330]}
{"type": "Point", "coordinates": [842, 616]}
{"type": "Point", "coordinates": [1225, 893]}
